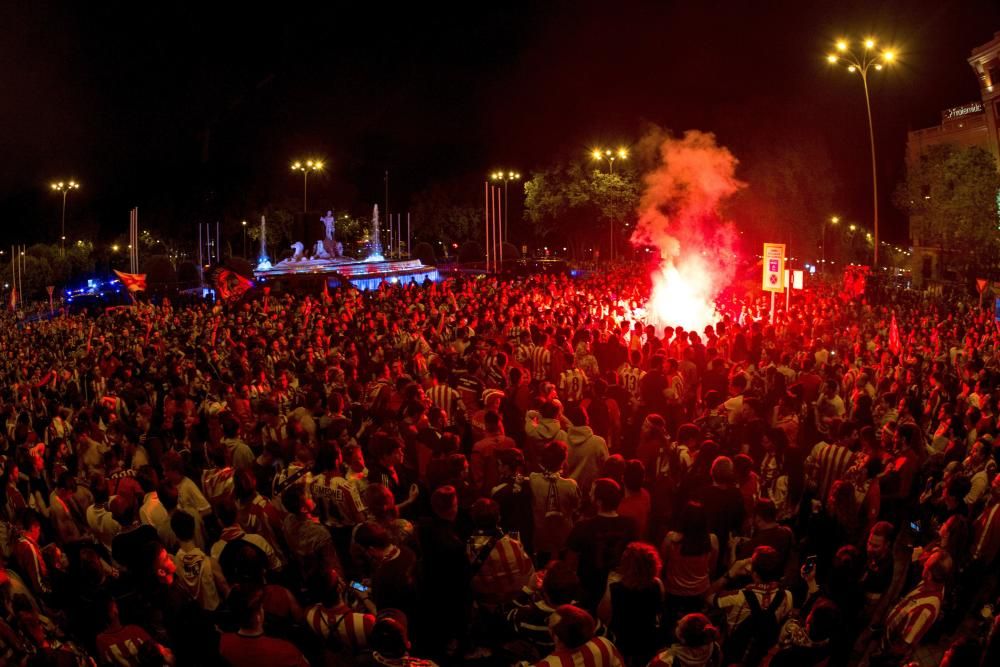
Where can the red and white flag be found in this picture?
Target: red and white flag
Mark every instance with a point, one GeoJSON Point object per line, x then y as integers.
{"type": "Point", "coordinates": [133, 282]}
{"type": "Point", "coordinates": [894, 343]}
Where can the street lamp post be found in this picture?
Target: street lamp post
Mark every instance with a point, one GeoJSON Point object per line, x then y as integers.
{"type": "Point", "coordinates": [506, 177]}
{"type": "Point", "coordinates": [610, 156]}
{"type": "Point", "coordinates": [64, 187]}
{"type": "Point", "coordinates": [861, 63]}
{"type": "Point", "coordinates": [305, 168]}
{"type": "Point", "coordinates": [244, 239]}
{"type": "Point", "coordinates": [834, 220]}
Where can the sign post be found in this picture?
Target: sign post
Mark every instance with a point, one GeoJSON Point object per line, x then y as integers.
{"type": "Point", "coordinates": [50, 289]}
{"type": "Point", "coordinates": [981, 287]}
{"type": "Point", "coordinates": [773, 279]}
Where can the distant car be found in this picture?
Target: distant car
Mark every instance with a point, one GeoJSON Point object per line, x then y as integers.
{"type": "Point", "coordinates": [96, 296]}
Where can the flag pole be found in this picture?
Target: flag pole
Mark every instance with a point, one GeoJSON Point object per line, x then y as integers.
{"type": "Point", "coordinates": [486, 216]}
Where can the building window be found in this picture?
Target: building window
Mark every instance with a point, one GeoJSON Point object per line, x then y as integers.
{"type": "Point", "coordinates": [993, 72]}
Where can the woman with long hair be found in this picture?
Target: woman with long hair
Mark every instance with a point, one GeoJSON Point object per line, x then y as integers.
{"type": "Point", "coordinates": [697, 644]}
{"type": "Point", "coordinates": [689, 556]}
{"type": "Point", "coordinates": [632, 602]}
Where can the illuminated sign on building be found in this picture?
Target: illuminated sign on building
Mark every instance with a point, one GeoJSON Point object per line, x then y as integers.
{"type": "Point", "coordinates": [964, 110]}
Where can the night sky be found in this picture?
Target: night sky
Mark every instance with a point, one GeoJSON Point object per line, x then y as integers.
{"type": "Point", "coordinates": [193, 112]}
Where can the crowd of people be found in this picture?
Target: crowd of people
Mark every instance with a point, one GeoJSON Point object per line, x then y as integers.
{"type": "Point", "coordinates": [500, 471]}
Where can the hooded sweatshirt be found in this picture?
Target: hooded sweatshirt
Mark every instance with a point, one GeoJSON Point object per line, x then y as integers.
{"type": "Point", "coordinates": [587, 453]}
{"type": "Point", "coordinates": [194, 572]}
{"type": "Point", "coordinates": [541, 429]}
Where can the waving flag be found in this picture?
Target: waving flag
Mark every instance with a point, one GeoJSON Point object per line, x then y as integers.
{"type": "Point", "coordinates": [230, 284]}
{"type": "Point", "coordinates": [133, 282]}
{"type": "Point", "coordinates": [894, 343]}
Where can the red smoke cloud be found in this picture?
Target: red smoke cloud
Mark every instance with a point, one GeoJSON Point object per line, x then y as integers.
{"type": "Point", "coordinates": [679, 215]}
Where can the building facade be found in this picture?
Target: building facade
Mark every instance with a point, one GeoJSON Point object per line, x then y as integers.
{"type": "Point", "coordinates": [974, 123]}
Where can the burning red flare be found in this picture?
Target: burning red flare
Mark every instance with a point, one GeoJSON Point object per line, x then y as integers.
{"type": "Point", "coordinates": [679, 215]}
{"type": "Point", "coordinates": [684, 292]}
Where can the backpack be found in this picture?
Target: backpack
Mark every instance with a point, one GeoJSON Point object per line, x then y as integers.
{"type": "Point", "coordinates": [750, 641]}
{"type": "Point", "coordinates": [553, 508]}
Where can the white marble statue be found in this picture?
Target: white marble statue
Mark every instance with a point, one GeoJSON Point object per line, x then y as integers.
{"type": "Point", "coordinates": [319, 252]}
{"type": "Point", "coordinates": [328, 222]}
{"type": "Point", "coordinates": [297, 249]}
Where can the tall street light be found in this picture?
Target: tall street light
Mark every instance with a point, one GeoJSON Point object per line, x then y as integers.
{"type": "Point", "coordinates": [506, 177]}
{"type": "Point", "coordinates": [244, 239]}
{"type": "Point", "coordinates": [305, 168]}
{"type": "Point", "coordinates": [862, 61]}
{"type": "Point", "coordinates": [64, 187]}
{"type": "Point", "coordinates": [834, 220]}
{"type": "Point", "coordinates": [610, 156]}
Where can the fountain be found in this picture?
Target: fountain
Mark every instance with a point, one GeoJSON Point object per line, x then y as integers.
{"type": "Point", "coordinates": [263, 261]}
{"type": "Point", "coordinates": [367, 273]}
{"type": "Point", "coordinates": [376, 245]}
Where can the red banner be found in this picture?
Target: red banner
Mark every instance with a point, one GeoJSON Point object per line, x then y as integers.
{"type": "Point", "coordinates": [133, 282]}
{"type": "Point", "coordinates": [230, 284]}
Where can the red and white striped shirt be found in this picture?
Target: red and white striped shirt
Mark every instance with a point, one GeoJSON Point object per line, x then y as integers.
{"type": "Point", "coordinates": [914, 614]}
{"type": "Point", "coordinates": [631, 376]}
{"type": "Point", "coordinates": [352, 628]}
{"type": "Point", "coordinates": [571, 385]}
{"type": "Point", "coordinates": [830, 463]}
{"type": "Point", "coordinates": [598, 652]}
{"type": "Point", "coordinates": [447, 399]}
{"type": "Point", "coordinates": [504, 572]}
{"type": "Point", "coordinates": [540, 360]}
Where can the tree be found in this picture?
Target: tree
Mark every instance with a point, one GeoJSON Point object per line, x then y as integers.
{"type": "Point", "coordinates": [574, 203]}
{"type": "Point", "coordinates": [950, 193]}
{"type": "Point", "coordinates": [789, 195]}
{"type": "Point", "coordinates": [45, 264]}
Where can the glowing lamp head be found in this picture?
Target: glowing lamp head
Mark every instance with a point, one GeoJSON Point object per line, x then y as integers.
{"type": "Point", "coordinates": [869, 43]}
{"type": "Point", "coordinates": [835, 219]}
{"type": "Point", "coordinates": [596, 154]}
{"type": "Point", "coordinates": [852, 68]}
{"type": "Point", "coordinates": [878, 66]}
{"type": "Point", "coordinates": [888, 56]}
{"type": "Point", "coordinates": [296, 166]}
{"type": "Point", "coordinates": [622, 153]}
{"type": "Point", "coordinates": [841, 45]}
{"type": "Point", "coordinates": [318, 165]}
{"type": "Point", "coordinates": [831, 59]}
{"type": "Point", "coordinates": [853, 227]}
